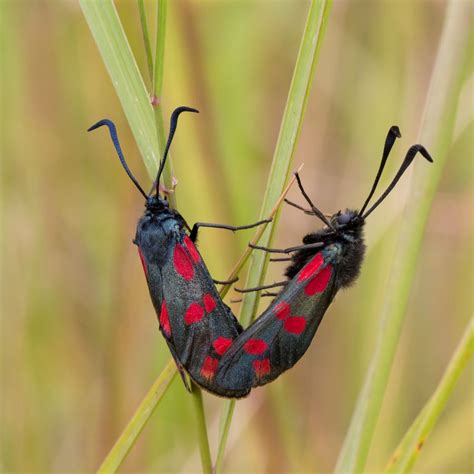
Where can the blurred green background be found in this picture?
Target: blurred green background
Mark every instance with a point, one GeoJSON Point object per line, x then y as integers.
{"type": "Point", "coordinates": [80, 341]}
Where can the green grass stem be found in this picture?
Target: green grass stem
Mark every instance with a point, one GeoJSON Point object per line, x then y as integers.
{"type": "Point", "coordinates": [146, 123]}
{"type": "Point", "coordinates": [158, 66]}
{"type": "Point", "coordinates": [156, 99]}
{"type": "Point", "coordinates": [410, 446]}
{"type": "Point", "coordinates": [436, 134]}
{"type": "Point", "coordinates": [203, 439]}
{"type": "Point", "coordinates": [127, 439]}
{"type": "Point", "coordinates": [146, 38]}
{"type": "Point", "coordinates": [156, 72]}
{"type": "Point", "coordinates": [310, 46]}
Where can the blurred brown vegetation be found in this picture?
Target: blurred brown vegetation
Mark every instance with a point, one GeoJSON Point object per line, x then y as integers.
{"type": "Point", "coordinates": [80, 343]}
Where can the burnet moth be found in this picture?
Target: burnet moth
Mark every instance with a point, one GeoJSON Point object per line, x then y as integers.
{"type": "Point", "coordinates": [328, 260]}
{"type": "Point", "coordinates": [194, 321]}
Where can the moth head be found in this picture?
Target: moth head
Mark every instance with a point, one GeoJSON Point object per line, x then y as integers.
{"type": "Point", "coordinates": [346, 220]}
{"type": "Point", "coordinates": [155, 203]}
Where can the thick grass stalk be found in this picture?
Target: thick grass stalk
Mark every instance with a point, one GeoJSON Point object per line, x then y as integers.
{"type": "Point", "coordinates": [316, 22]}
{"type": "Point", "coordinates": [436, 134]}
{"type": "Point", "coordinates": [410, 446]}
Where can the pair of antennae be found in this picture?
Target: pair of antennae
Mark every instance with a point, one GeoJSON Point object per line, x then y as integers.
{"type": "Point", "coordinates": [392, 135]}
{"type": "Point", "coordinates": [118, 148]}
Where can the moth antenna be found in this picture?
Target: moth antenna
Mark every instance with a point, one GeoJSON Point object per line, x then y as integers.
{"type": "Point", "coordinates": [406, 163]}
{"type": "Point", "coordinates": [173, 125]}
{"type": "Point", "coordinates": [315, 210]}
{"type": "Point", "coordinates": [113, 135]}
{"type": "Point", "coordinates": [392, 135]}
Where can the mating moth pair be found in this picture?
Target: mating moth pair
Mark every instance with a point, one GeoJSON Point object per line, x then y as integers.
{"type": "Point", "coordinates": [204, 337]}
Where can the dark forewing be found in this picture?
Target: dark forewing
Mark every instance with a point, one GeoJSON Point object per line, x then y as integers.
{"type": "Point", "coordinates": [197, 325]}
{"type": "Point", "coordinates": [283, 333]}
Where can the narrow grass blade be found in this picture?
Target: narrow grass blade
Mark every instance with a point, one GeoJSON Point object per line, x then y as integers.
{"type": "Point", "coordinates": [144, 412]}
{"type": "Point", "coordinates": [113, 46]}
{"type": "Point", "coordinates": [436, 134]}
{"type": "Point", "coordinates": [316, 22]}
{"type": "Point", "coordinates": [158, 66]}
{"type": "Point", "coordinates": [409, 448]}
{"type": "Point", "coordinates": [146, 38]}
{"type": "Point", "coordinates": [201, 427]}
{"type": "Point", "coordinates": [292, 121]}
{"type": "Point", "coordinates": [157, 80]}
{"type": "Point", "coordinates": [156, 72]}
{"type": "Point", "coordinates": [203, 439]}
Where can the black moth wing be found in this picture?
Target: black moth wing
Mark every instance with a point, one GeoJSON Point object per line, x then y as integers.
{"type": "Point", "coordinates": [195, 322]}
{"type": "Point", "coordinates": [283, 333]}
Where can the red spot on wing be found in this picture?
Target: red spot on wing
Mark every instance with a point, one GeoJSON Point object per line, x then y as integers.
{"type": "Point", "coordinates": [182, 262]}
{"type": "Point", "coordinates": [311, 268]}
{"type": "Point", "coordinates": [209, 367]}
{"type": "Point", "coordinates": [255, 346]}
{"type": "Point", "coordinates": [295, 324]}
{"type": "Point", "coordinates": [209, 303]}
{"type": "Point", "coordinates": [194, 313]}
{"type": "Point", "coordinates": [192, 249]}
{"type": "Point", "coordinates": [142, 258]}
{"type": "Point", "coordinates": [319, 283]}
{"type": "Point", "coordinates": [282, 310]}
{"type": "Point", "coordinates": [164, 320]}
{"type": "Point", "coordinates": [221, 344]}
{"type": "Point", "coordinates": [261, 367]}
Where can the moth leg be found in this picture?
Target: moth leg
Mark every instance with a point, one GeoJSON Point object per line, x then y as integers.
{"type": "Point", "coordinates": [281, 259]}
{"type": "Point", "coordinates": [179, 366]}
{"type": "Point", "coordinates": [233, 228]}
{"type": "Point", "coordinates": [305, 210]}
{"type": "Point", "coordinates": [315, 245]}
{"type": "Point", "coordinates": [263, 287]}
{"type": "Point", "coordinates": [182, 372]}
{"type": "Point", "coordinates": [268, 293]}
{"type": "Point", "coordinates": [301, 208]}
{"type": "Point", "coordinates": [315, 210]}
{"type": "Point", "coordinates": [225, 282]}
